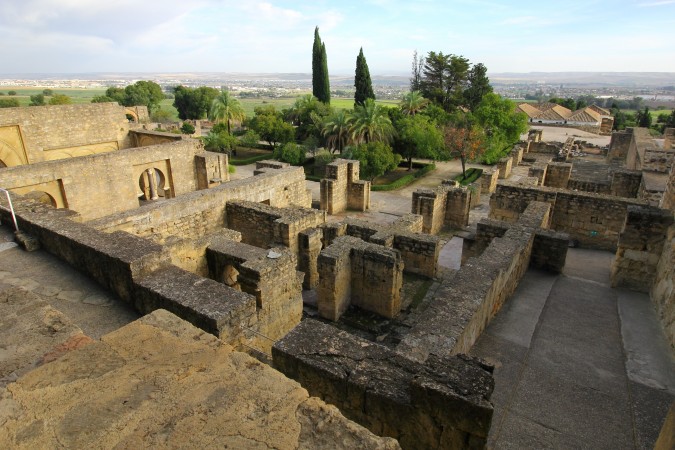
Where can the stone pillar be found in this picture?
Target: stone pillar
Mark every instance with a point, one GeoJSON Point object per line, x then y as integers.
{"type": "Point", "coordinates": [504, 165]}
{"type": "Point", "coordinates": [153, 184]}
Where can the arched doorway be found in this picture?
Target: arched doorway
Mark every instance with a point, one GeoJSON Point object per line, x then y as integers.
{"type": "Point", "coordinates": [152, 184]}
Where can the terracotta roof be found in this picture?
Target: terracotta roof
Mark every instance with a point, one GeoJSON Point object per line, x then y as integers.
{"type": "Point", "coordinates": [599, 110]}
{"type": "Point", "coordinates": [528, 109]}
{"type": "Point", "coordinates": [556, 113]}
{"type": "Point", "coordinates": [586, 114]}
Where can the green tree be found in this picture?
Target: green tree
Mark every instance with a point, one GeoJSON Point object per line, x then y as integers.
{"type": "Point", "coordinates": [479, 86]}
{"type": "Point", "coordinates": [307, 114]}
{"type": "Point", "coordinates": [193, 104]}
{"type": "Point", "coordinates": [417, 71]}
{"type": "Point", "coordinates": [501, 124]}
{"type": "Point", "coordinates": [102, 99]}
{"type": "Point", "coordinates": [187, 128]}
{"type": "Point", "coordinates": [268, 123]}
{"type": "Point", "coordinates": [250, 139]}
{"type": "Point", "coordinates": [117, 94]}
{"type": "Point", "coordinates": [9, 103]}
{"type": "Point", "coordinates": [37, 100]}
{"type": "Point", "coordinates": [371, 123]}
{"type": "Point", "coordinates": [220, 141]}
{"type": "Point", "coordinates": [60, 99]}
{"type": "Point", "coordinates": [11, 92]}
{"type": "Point", "coordinates": [444, 79]}
{"type": "Point", "coordinates": [336, 129]}
{"type": "Point", "coordinates": [619, 118]}
{"type": "Point", "coordinates": [48, 92]}
{"type": "Point", "coordinates": [375, 158]}
{"type": "Point", "coordinates": [419, 137]}
{"type": "Point", "coordinates": [362, 82]}
{"type": "Point", "coordinates": [413, 102]}
{"type": "Point", "coordinates": [143, 93]}
{"type": "Point", "coordinates": [644, 118]}
{"type": "Point", "coordinates": [320, 82]}
{"type": "Point", "coordinates": [291, 153]}
{"type": "Point", "coordinates": [226, 108]}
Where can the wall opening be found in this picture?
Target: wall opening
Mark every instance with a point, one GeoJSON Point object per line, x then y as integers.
{"type": "Point", "coordinates": [152, 184]}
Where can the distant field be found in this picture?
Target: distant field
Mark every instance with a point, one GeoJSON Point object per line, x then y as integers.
{"type": "Point", "coordinates": [249, 104]}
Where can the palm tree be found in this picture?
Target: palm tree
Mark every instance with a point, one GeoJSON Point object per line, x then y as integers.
{"type": "Point", "coordinates": [336, 130]}
{"type": "Point", "coordinates": [413, 102]}
{"type": "Point", "coordinates": [226, 108]}
{"type": "Point", "coordinates": [371, 123]}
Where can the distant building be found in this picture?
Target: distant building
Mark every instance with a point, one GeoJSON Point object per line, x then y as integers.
{"type": "Point", "coordinates": [591, 118]}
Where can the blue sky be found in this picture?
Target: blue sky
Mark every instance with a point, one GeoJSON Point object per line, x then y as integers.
{"type": "Point", "coordinates": [74, 36]}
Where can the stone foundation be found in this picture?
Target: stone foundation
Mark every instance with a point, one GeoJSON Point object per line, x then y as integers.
{"type": "Point", "coordinates": [352, 271]}
{"type": "Point", "coordinates": [441, 403]}
{"type": "Point", "coordinates": [342, 189]}
{"type": "Point", "coordinates": [444, 206]}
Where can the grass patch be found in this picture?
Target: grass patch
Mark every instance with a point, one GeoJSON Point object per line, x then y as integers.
{"type": "Point", "coordinates": [472, 174]}
{"type": "Point", "coordinates": [406, 179]}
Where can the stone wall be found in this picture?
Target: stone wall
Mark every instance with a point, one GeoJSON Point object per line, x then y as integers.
{"type": "Point", "coordinates": [640, 247]}
{"type": "Point", "coordinates": [352, 271]}
{"type": "Point", "coordinates": [108, 183]}
{"type": "Point", "coordinates": [268, 276]}
{"type": "Point", "coordinates": [663, 289]}
{"type": "Point", "coordinates": [504, 165]}
{"type": "Point", "coordinates": [463, 306]}
{"type": "Point", "coordinates": [538, 171]}
{"type": "Point", "coordinates": [342, 189]}
{"type": "Point", "coordinates": [558, 175]}
{"type": "Point", "coordinates": [620, 145]}
{"type": "Point", "coordinates": [212, 169]}
{"type": "Point", "coordinates": [266, 226]}
{"type": "Point", "coordinates": [668, 199]}
{"type": "Point", "coordinates": [200, 212]}
{"type": "Point", "coordinates": [593, 221]}
{"type": "Point", "coordinates": [443, 206]}
{"type": "Point", "coordinates": [597, 187]}
{"type": "Point", "coordinates": [439, 404]}
{"type": "Point", "coordinates": [489, 180]}
{"type": "Point", "coordinates": [626, 183]}
{"type": "Point", "coordinates": [78, 130]}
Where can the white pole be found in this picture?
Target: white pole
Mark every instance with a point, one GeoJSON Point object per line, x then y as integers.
{"type": "Point", "coordinates": [11, 208]}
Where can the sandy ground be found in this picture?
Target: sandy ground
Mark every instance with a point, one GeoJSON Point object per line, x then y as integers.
{"type": "Point", "coordinates": [559, 134]}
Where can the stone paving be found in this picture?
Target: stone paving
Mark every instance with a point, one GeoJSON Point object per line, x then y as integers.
{"type": "Point", "coordinates": [577, 363]}
{"type": "Point", "coordinates": [95, 310]}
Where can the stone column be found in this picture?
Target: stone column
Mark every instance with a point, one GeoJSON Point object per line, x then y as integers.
{"type": "Point", "coordinates": [153, 184]}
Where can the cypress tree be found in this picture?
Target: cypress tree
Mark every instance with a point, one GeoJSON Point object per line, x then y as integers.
{"type": "Point", "coordinates": [320, 83]}
{"type": "Point", "coordinates": [362, 83]}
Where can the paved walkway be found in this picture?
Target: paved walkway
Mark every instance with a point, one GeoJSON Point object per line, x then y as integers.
{"type": "Point", "coordinates": [577, 363]}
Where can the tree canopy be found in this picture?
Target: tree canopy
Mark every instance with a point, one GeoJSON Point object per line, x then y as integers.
{"type": "Point", "coordinates": [320, 82]}
{"type": "Point", "coordinates": [269, 124]}
{"type": "Point", "coordinates": [141, 93]}
{"type": "Point", "coordinates": [225, 108]}
{"type": "Point", "coordinates": [362, 82]}
{"type": "Point", "coordinates": [375, 158]}
{"type": "Point", "coordinates": [193, 103]}
{"type": "Point", "coordinates": [419, 137]}
{"type": "Point", "coordinates": [370, 123]}
{"type": "Point", "coordinates": [60, 99]}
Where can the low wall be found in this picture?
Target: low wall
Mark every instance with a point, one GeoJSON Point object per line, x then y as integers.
{"type": "Point", "coordinates": [441, 403]}
{"type": "Point", "coordinates": [342, 189]}
{"type": "Point", "coordinates": [464, 305]}
{"type": "Point", "coordinates": [663, 289]}
{"type": "Point", "coordinates": [444, 206]}
{"type": "Point", "coordinates": [593, 221]}
{"type": "Point", "coordinates": [196, 213]}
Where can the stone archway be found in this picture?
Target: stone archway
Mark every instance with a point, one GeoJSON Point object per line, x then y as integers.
{"type": "Point", "coordinates": [132, 116]}
{"type": "Point", "coordinates": [152, 184]}
{"type": "Point", "coordinates": [230, 277]}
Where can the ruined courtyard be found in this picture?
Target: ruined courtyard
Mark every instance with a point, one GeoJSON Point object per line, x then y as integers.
{"type": "Point", "coordinates": [528, 310]}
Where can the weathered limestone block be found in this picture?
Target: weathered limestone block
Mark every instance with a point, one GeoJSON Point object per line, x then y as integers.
{"type": "Point", "coordinates": [475, 191]}
{"type": "Point", "coordinates": [458, 206]}
{"type": "Point", "coordinates": [310, 242]}
{"type": "Point", "coordinates": [640, 247]}
{"type": "Point", "coordinates": [626, 183]}
{"type": "Point", "coordinates": [352, 271]}
{"type": "Point", "coordinates": [489, 180]}
{"type": "Point", "coordinates": [517, 155]}
{"type": "Point", "coordinates": [557, 175]}
{"type": "Point", "coordinates": [504, 165]}
{"type": "Point", "coordinates": [159, 370]}
{"type": "Point", "coordinates": [342, 189]}
{"type": "Point", "coordinates": [442, 403]}
{"type": "Point", "coordinates": [430, 204]}
{"type": "Point", "coordinates": [268, 275]}
{"type": "Point", "coordinates": [538, 171]}
{"type": "Point", "coordinates": [212, 169]}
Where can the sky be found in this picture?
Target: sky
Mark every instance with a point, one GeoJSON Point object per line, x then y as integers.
{"type": "Point", "coordinates": [85, 36]}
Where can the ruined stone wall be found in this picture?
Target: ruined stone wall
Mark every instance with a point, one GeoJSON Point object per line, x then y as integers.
{"type": "Point", "coordinates": [144, 138]}
{"type": "Point", "coordinates": [593, 221]}
{"type": "Point", "coordinates": [441, 403]}
{"type": "Point", "coordinates": [430, 204]}
{"type": "Point", "coordinates": [668, 199]}
{"type": "Point", "coordinates": [108, 183]}
{"type": "Point", "coordinates": [310, 245]}
{"type": "Point", "coordinates": [663, 290]}
{"type": "Point", "coordinates": [266, 226]}
{"type": "Point", "coordinates": [538, 171]}
{"type": "Point", "coordinates": [544, 147]}
{"type": "Point", "coordinates": [626, 183]}
{"type": "Point", "coordinates": [620, 145]}
{"type": "Point", "coordinates": [640, 247]}
{"type": "Point", "coordinates": [489, 180]}
{"type": "Point", "coordinates": [598, 187]}
{"type": "Point", "coordinates": [658, 159]}
{"type": "Point", "coordinates": [558, 175]}
{"type": "Point", "coordinates": [140, 272]}
{"type": "Point", "coordinates": [273, 281]}
{"type": "Point", "coordinates": [200, 212]}
{"type": "Point", "coordinates": [64, 128]}
{"type": "Point", "coordinates": [212, 169]}
{"type": "Point", "coordinates": [342, 189]}
{"type": "Point", "coordinates": [504, 165]}
{"type": "Point", "coordinates": [352, 271]}
{"type": "Point", "coordinates": [463, 306]}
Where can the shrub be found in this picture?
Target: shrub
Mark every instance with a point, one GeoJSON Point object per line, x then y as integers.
{"type": "Point", "coordinates": [9, 103]}
{"type": "Point", "coordinates": [231, 169]}
{"type": "Point", "coordinates": [251, 139]}
{"type": "Point", "coordinates": [472, 175]}
{"type": "Point", "coordinates": [11, 92]}
{"type": "Point", "coordinates": [406, 180]}
{"type": "Point", "coordinates": [187, 128]}
{"type": "Point", "coordinates": [291, 153]}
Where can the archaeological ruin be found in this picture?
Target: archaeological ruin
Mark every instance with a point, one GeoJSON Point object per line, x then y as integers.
{"type": "Point", "coordinates": [266, 322]}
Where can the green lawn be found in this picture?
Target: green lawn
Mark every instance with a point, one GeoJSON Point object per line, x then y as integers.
{"type": "Point", "coordinates": [76, 95]}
